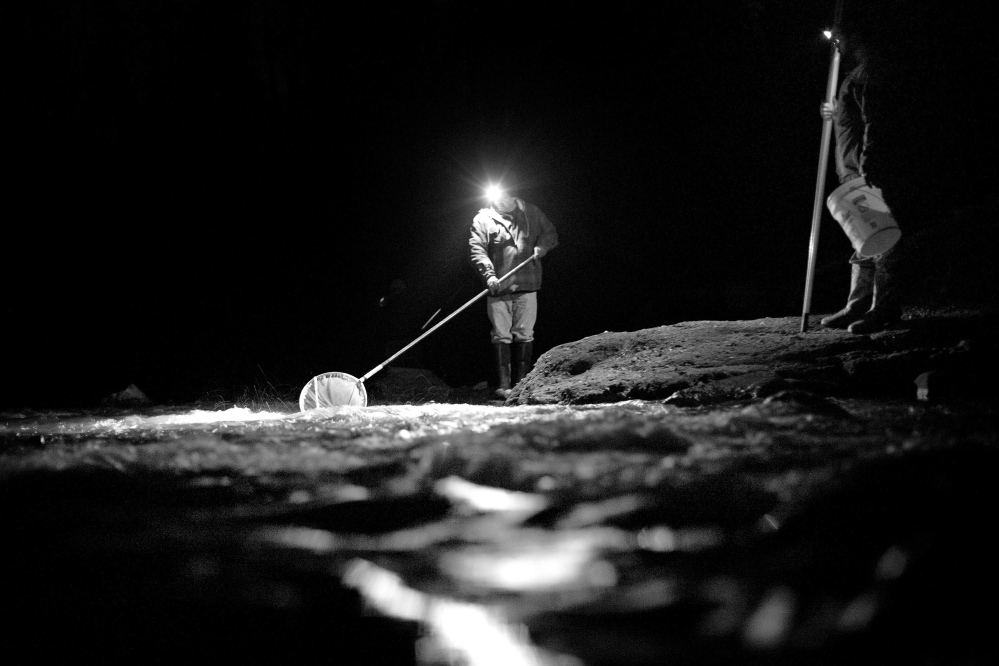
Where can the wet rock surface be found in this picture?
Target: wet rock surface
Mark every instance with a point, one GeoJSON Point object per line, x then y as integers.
{"type": "Point", "coordinates": [795, 527]}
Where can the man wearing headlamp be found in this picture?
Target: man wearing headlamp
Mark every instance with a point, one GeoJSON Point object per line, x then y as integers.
{"type": "Point", "coordinates": [506, 233]}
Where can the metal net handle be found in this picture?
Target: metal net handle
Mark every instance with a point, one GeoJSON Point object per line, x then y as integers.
{"type": "Point", "coordinates": [441, 322]}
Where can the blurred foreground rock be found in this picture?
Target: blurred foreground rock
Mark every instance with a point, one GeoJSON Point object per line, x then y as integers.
{"type": "Point", "coordinates": [785, 530]}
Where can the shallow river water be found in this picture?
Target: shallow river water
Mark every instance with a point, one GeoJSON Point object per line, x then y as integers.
{"type": "Point", "coordinates": [774, 531]}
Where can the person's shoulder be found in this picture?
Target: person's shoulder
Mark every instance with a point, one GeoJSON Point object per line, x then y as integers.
{"type": "Point", "coordinates": [484, 216]}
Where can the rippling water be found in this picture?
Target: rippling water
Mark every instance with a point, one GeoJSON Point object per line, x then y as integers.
{"type": "Point", "coordinates": [625, 533]}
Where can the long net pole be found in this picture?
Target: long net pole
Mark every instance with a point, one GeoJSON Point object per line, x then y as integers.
{"type": "Point", "coordinates": [440, 323]}
{"type": "Point", "coordinates": [820, 182]}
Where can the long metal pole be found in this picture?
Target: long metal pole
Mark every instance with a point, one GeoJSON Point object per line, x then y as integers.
{"type": "Point", "coordinates": [441, 323]}
{"type": "Point", "coordinates": [820, 188]}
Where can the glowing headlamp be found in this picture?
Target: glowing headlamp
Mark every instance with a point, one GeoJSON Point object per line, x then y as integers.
{"type": "Point", "coordinates": [494, 193]}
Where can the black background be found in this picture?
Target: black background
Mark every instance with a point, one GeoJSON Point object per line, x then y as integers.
{"type": "Point", "coordinates": [209, 195]}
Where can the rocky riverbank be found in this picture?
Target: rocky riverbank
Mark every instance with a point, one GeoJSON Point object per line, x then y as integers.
{"type": "Point", "coordinates": [706, 362]}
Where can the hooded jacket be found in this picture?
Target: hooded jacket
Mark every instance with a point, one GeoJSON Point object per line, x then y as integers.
{"type": "Point", "coordinates": [499, 242]}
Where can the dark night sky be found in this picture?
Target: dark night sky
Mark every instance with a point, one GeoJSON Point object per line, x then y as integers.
{"type": "Point", "coordinates": [207, 194]}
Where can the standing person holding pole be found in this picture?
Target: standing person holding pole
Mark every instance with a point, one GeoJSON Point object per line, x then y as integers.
{"type": "Point", "coordinates": [872, 304]}
{"type": "Point", "coordinates": [503, 235]}
{"type": "Point", "coordinates": [820, 181]}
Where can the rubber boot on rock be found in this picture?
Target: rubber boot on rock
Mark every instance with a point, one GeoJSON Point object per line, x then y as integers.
{"type": "Point", "coordinates": [522, 352]}
{"type": "Point", "coordinates": [861, 295]}
{"type": "Point", "coordinates": [885, 310]}
{"type": "Point", "coordinates": [501, 360]}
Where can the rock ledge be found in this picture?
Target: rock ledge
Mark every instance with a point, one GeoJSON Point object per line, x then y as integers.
{"type": "Point", "coordinates": [709, 362]}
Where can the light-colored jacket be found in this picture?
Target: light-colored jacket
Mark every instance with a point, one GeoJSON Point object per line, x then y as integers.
{"type": "Point", "coordinates": [498, 243]}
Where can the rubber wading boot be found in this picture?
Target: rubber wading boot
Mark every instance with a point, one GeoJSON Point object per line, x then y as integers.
{"type": "Point", "coordinates": [860, 298]}
{"type": "Point", "coordinates": [501, 357]}
{"type": "Point", "coordinates": [886, 310]}
{"type": "Point", "coordinates": [522, 352]}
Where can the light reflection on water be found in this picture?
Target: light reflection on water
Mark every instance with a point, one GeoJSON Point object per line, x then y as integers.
{"type": "Point", "coordinates": [97, 424]}
{"type": "Point", "coordinates": [421, 418]}
{"type": "Point", "coordinates": [459, 632]}
{"type": "Point", "coordinates": [606, 479]}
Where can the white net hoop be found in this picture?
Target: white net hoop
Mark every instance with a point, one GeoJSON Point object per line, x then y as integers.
{"type": "Point", "coordinates": [332, 389]}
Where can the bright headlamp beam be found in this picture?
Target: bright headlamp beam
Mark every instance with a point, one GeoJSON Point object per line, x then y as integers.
{"type": "Point", "coordinates": [494, 192]}
{"type": "Point", "coordinates": [827, 33]}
